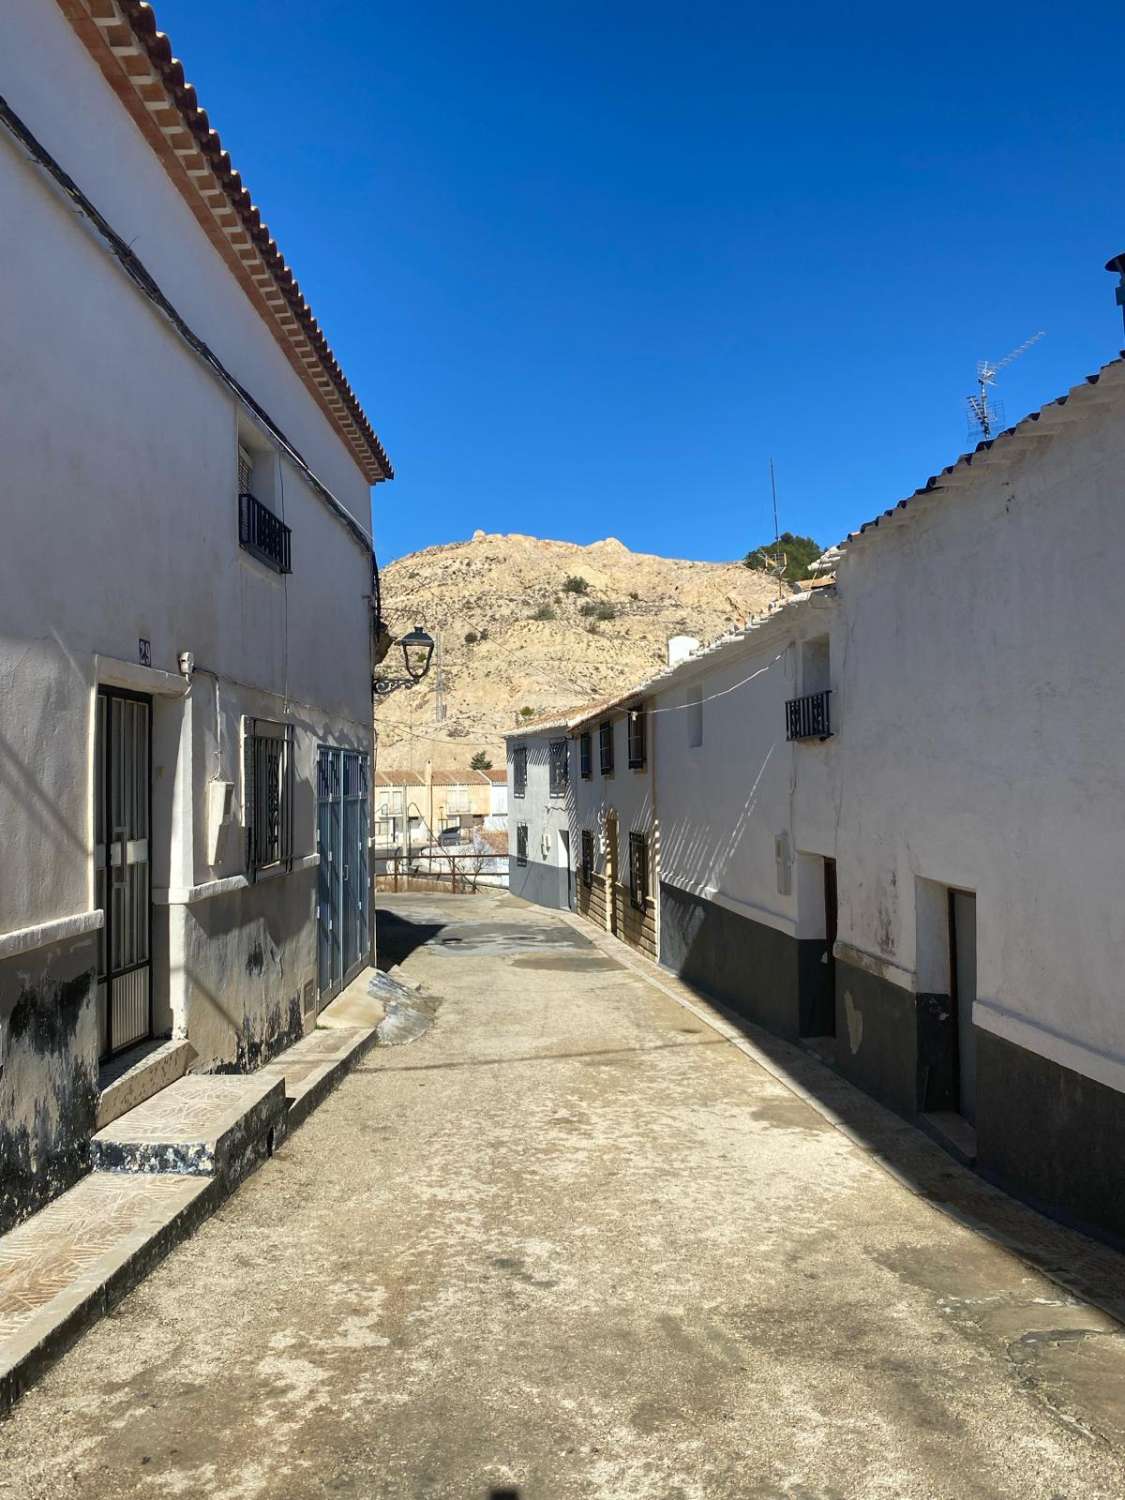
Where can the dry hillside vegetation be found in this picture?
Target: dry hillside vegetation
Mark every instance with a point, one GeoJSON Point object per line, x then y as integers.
{"type": "Point", "coordinates": [524, 623]}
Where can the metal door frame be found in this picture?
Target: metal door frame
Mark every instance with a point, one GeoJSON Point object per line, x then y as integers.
{"type": "Point", "coordinates": [110, 692]}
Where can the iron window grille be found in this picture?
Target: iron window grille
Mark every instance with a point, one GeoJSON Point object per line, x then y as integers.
{"type": "Point", "coordinates": [521, 843]}
{"type": "Point", "coordinates": [587, 857]}
{"type": "Point", "coordinates": [636, 722]}
{"type": "Point", "coordinates": [605, 747]}
{"type": "Point", "coordinates": [808, 718]}
{"type": "Point", "coordinates": [585, 758]}
{"type": "Point", "coordinates": [264, 535]}
{"type": "Point", "coordinates": [638, 871]}
{"type": "Point", "coordinates": [560, 768]}
{"type": "Point", "coordinates": [519, 771]}
{"type": "Point", "coordinates": [268, 795]}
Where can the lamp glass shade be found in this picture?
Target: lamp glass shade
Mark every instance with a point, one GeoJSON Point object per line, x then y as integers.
{"type": "Point", "coordinates": [417, 650]}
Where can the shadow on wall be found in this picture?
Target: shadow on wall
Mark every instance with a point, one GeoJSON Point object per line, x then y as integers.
{"type": "Point", "coordinates": [701, 855]}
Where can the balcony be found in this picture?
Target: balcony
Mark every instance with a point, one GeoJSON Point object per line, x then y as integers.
{"type": "Point", "coordinates": [808, 718]}
{"type": "Point", "coordinates": [263, 535]}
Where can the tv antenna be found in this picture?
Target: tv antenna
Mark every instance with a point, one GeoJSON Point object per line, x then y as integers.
{"type": "Point", "coordinates": [986, 414]}
{"type": "Point", "coordinates": [774, 562]}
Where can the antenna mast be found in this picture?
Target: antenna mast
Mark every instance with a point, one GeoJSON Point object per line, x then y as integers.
{"type": "Point", "coordinates": [778, 562]}
{"type": "Point", "coordinates": [986, 414]}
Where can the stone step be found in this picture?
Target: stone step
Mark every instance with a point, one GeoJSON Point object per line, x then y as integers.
{"type": "Point", "coordinates": [135, 1077]}
{"type": "Point", "coordinates": [73, 1261]}
{"type": "Point", "coordinates": [312, 1067]}
{"type": "Point", "coordinates": [203, 1125]}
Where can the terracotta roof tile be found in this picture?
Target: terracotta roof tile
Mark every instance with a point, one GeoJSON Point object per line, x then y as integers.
{"type": "Point", "coordinates": [137, 61]}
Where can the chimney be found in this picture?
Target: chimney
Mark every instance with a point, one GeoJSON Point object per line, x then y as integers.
{"type": "Point", "coordinates": [680, 647]}
{"type": "Point", "coordinates": [1117, 265]}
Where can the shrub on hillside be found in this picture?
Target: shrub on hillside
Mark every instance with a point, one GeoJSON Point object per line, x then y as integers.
{"type": "Point", "coordinates": [545, 612]}
{"type": "Point", "coordinates": [576, 585]}
{"type": "Point", "coordinates": [797, 551]}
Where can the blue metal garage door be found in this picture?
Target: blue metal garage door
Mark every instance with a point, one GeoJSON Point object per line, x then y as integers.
{"type": "Point", "coordinates": [342, 892]}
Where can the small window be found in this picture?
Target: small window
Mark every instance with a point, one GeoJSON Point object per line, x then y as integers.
{"type": "Point", "coordinates": [605, 747]}
{"type": "Point", "coordinates": [587, 857]}
{"type": "Point", "coordinates": [636, 721]}
{"type": "Point", "coordinates": [694, 717]}
{"type": "Point", "coordinates": [560, 768]}
{"type": "Point", "coordinates": [267, 795]}
{"type": "Point", "coordinates": [638, 870]}
{"type": "Point", "coordinates": [816, 666]}
{"type": "Point", "coordinates": [245, 472]}
{"type": "Point", "coordinates": [585, 759]}
{"type": "Point", "coordinates": [521, 843]}
{"type": "Point", "coordinates": [519, 771]}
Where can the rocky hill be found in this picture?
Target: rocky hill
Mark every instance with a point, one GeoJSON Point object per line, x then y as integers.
{"type": "Point", "coordinates": [539, 624]}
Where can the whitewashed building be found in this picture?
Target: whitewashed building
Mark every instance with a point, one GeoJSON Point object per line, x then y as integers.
{"type": "Point", "coordinates": [887, 820]}
{"type": "Point", "coordinates": [541, 811]}
{"type": "Point", "coordinates": [185, 597]}
{"type": "Point", "coordinates": [615, 832]}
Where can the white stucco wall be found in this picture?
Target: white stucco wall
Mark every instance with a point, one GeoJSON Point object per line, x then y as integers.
{"type": "Point", "coordinates": [722, 803]}
{"type": "Point", "coordinates": [73, 111]}
{"type": "Point", "coordinates": [978, 738]}
{"type": "Point", "coordinates": [546, 816]}
{"type": "Point", "coordinates": [118, 506]}
{"type": "Point", "coordinates": [974, 660]}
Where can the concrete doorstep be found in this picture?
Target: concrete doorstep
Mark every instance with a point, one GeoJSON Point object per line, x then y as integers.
{"type": "Point", "coordinates": [160, 1169]}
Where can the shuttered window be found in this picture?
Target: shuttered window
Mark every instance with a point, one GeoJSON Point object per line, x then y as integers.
{"type": "Point", "coordinates": [636, 721]}
{"type": "Point", "coordinates": [605, 747]}
{"type": "Point", "coordinates": [638, 870]}
{"type": "Point", "coordinates": [587, 857]}
{"type": "Point", "coordinates": [560, 768]}
{"type": "Point", "coordinates": [521, 843]}
{"type": "Point", "coordinates": [519, 771]}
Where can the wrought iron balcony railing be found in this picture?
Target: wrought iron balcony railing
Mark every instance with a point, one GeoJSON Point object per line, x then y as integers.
{"type": "Point", "coordinates": [263, 534]}
{"type": "Point", "coordinates": [808, 718]}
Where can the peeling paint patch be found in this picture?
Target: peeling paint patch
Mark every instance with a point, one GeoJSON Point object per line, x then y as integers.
{"type": "Point", "coordinates": [48, 1094]}
{"type": "Point", "coordinates": [854, 1017]}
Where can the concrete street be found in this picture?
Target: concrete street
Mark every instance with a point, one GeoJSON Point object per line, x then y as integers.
{"type": "Point", "coordinates": [575, 1242]}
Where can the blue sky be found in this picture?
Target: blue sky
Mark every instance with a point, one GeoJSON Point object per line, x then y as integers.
{"type": "Point", "coordinates": [589, 265]}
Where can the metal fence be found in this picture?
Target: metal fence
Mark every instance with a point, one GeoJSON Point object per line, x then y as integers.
{"type": "Point", "coordinates": [459, 873]}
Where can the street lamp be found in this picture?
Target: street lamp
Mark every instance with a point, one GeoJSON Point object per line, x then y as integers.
{"type": "Point", "coordinates": [417, 653]}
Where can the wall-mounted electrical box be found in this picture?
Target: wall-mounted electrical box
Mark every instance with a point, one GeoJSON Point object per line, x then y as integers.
{"type": "Point", "coordinates": [220, 811]}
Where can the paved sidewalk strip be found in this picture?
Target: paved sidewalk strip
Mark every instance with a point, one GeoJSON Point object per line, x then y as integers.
{"type": "Point", "coordinates": [1080, 1265]}
{"type": "Point", "coordinates": [68, 1265]}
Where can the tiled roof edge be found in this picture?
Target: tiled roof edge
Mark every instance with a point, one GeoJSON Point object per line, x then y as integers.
{"type": "Point", "coordinates": [1020, 429]}
{"type": "Point", "coordinates": [114, 31]}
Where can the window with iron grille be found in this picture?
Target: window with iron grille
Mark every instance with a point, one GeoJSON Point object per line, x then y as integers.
{"type": "Point", "coordinates": [638, 870]}
{"type": "Point", "coordinates": [585, 759]}
{"type": "Point", "coordinates": [521, 843]}
{"type": "Point", "coordinates": [587, 857]}
{"type": "Point", "coordinates": [605, 747]}
{"type": "Point", "coordinates": [519, 771]}
{"type": "Point", "coordinates": [560, 768]}
{"type": "Point", "coordinates": [636, 721]}
{"type": "Point", "coordinates": [267, 794]}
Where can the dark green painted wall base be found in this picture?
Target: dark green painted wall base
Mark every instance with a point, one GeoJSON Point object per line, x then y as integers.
{"type": "Point", "coordinates": [1051, 1137]}
{"type": "Point", "coordinates": [898, 1046]}
{"type": "Point", "coordinates": [546, 885]}
{"type": "Point", "coordinates": [767, 976]}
